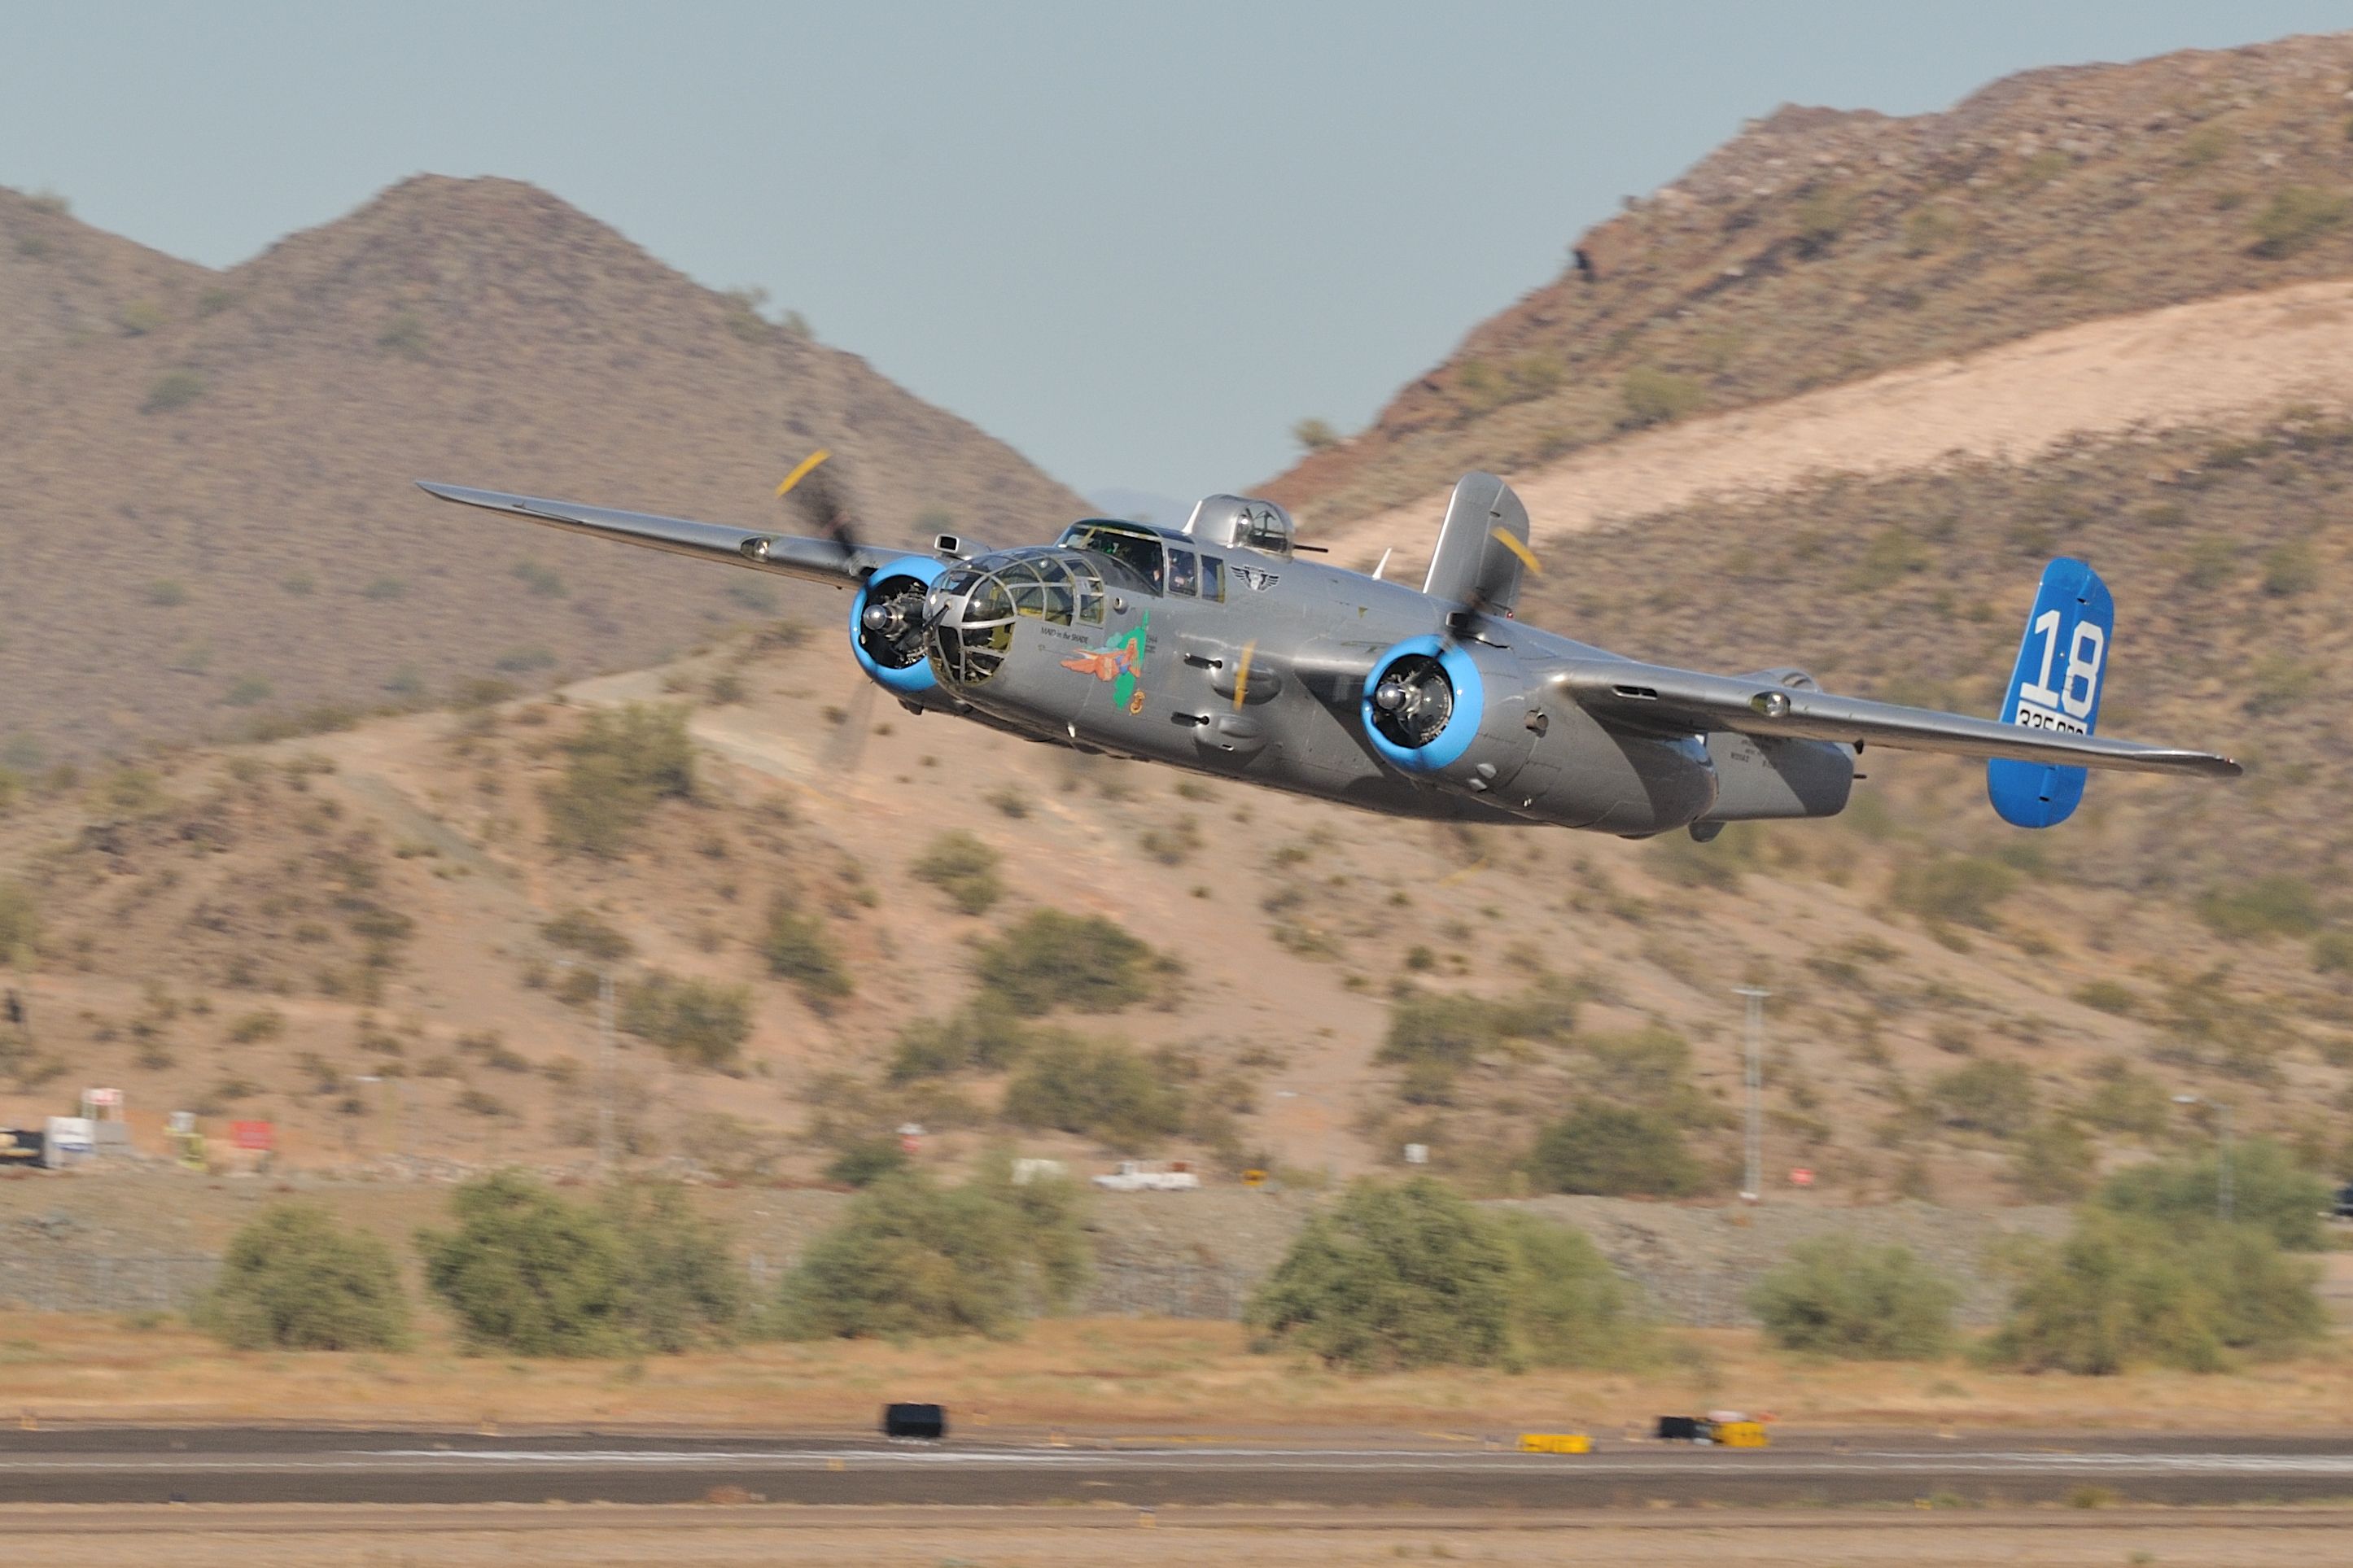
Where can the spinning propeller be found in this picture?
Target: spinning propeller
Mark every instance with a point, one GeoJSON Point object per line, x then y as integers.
{"type": "Point", "coordinates": [818, 497]}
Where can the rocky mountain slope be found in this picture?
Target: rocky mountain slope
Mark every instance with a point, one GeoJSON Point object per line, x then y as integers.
{"type": "Point", "coordinates": [1819, 247]}
{"type": "Point", "coordinates": [209, 523]}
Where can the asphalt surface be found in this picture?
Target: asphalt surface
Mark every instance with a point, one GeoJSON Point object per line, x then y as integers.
{"type": "Point", "coordinates": [232, 1465]}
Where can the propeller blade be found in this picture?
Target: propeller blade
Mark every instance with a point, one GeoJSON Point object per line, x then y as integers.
{"type": "Point", "coordinates": [843, 752]}
{"type": "Point", "coordinates": [1512, 541]}
{"type": "Point", "coordinates": [1241, 674]}
{"type": "Point", "coordinates": [818, 493]}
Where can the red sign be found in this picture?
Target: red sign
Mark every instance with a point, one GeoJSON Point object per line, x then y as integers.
{"type": "Point", "coordinates": [258, 1135]}
{"type": "Point", "coordinates": [1801, 1177]}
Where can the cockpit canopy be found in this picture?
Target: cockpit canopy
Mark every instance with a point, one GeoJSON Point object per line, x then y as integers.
{"type": "Point", "coordinates": [1241, 522]}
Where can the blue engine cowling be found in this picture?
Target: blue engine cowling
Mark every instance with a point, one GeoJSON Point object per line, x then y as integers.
{"type": "Point", "coordinates": [1453, 712]}
{"type": "Point", "coordinates": [886, 624]}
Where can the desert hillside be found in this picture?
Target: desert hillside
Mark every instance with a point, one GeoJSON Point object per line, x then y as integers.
{"type": "Point", "coordinates": [209, 521]}
{"type": "Point", "coordinates": [1820, 247]}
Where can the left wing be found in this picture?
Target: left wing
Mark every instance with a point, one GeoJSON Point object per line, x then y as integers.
{"type": "Point", "coordinates": [818, 560]}
{"type": "Point", "coordinates": [1650, 696]}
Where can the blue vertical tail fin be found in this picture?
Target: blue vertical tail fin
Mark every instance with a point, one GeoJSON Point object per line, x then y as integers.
{"type": "Point", "coordinates": [2055, 686]}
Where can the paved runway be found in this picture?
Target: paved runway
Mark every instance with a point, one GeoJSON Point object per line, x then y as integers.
{"type": "Point", "coordinates": [282, 1466]}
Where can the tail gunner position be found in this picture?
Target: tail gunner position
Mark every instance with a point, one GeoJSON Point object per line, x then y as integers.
{"type": "Point", "coordinates": [1217, 648]}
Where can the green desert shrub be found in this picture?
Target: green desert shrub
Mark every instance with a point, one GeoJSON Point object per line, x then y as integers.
{"type": "Point", "coordinates": [1654, 397]}
{"type": "Point", "coordinates": [2053, 1162]}
{"type": "Point", "coordinates": [1954, 889]}
{"type": "Point", "coordinates": [703, 1022]}
{"type": "Point", "coordinates": [1989, 1095]}
{"type": "Point", "coordinates": [1614, 1151]}
{"type": "Point", "coordinates": [1833, 1294]}
{"type": "Point", "coordinates": [297, 1278]}
{"type": "Point", "coordinates": [1397, 1276]}
{"type": "Point", "coordinates": [1103, 1089]}
{"type": "Point", "coordinates": [172, 390]}
{"type": "Point", "coordinates": [580, 931]}
{"type": "Point", "coordinates": [963, 868]}
{"type": "Point", "coordinates": [681, 1285]}
{"type": "Point", "coordinates": [20, 921]}
{"type": "Point", "coordinates": [867, 1162]}
{"type": "Point", "coordinates": [1568, 1307]}
{"type": "Point", "coordinates": [2277, 905]}
{"type": "Point", "coordinates": [912, 1259]}
{"type": "Point", "coordinates": [2269, 1190]}
{"type": "Point", "coordinates": [620, 765]}
{"type": "Point", "coordinates": [983, 1036]}
{"type": "Point", "coordinates": [1084, 962]}
{"type": "Point", "coordinates": [2125, 1289]}
{"type": "Point", "coordinates": [800, 952]}
{"type": "Point", "coordinates": [1392, 1277]}
{"type": "Point", "coordinates": [527, 1272]}
{"type": "Point", "coordinates": [2297, 216]}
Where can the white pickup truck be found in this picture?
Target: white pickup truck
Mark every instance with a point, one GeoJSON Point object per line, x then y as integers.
{"type": "Point", "coordinates": [1149, 1176]}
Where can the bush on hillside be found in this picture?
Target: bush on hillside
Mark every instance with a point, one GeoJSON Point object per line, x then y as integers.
{"type": "Point", "coordinates": [2055, 1161]}
{"type": "Point", "coordinates": [2295, 217]}
{"type": "Point", "coordinates": [1083, 963]}
{"type": "Point", "coordinates": [963, 868]}
{"type": "Point", "coordinates": [1455, 1029]}
{"type": "Point", "coordinates": [1956, 890]}
{"type": "Point", "coordinates": [2125, 1289]}
{"type": "Point", "coordinates": [2277, 905]}
{"type": "Point", "coordinates": [621, 765]}
{"type": "Point", "coordinates": [2269, 1190]}
{"type": "Point", "coordinates": [799, 952]}
{"type": "Point", "coordinates": [296, 1278]}
{"type": "Point", "coordinates": [703, 1023]}
{"type": "Point", "coordinates": [1103, 1089]}
{"type": "Point", "coordinates": [588, 934]}
{"type": "Point", "coordinates": [1833, 1295]}
{"type": "Point", "coordinates": [913, 1259]}
{"type": "Point", "coordinates": [1989, 1095]}
{"type": "Point", "coordinates": [527, 1272]}
{"type": "Point", "coordinates": [1391, 1278]}
{"type": "Point", "coordinates": [1614, 1151]}
{"type": "Point", "coordinates": [1654, 397]}
{"type": "Point", "coordinates": [983, 1036]}
{"type": "Point", "coordinates": [867, 1162]}
{"type": "Point", "coordinates": [20, 921]}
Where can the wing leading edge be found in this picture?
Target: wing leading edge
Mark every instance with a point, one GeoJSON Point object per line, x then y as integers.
{"type": "Point", "coordinates": [1655, 697]}
{"type": "Point", "coordinates": [818, 560]}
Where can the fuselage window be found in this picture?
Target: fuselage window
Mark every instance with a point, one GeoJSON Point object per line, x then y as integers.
{"type": "Point", "coordinates": [1180, 571]}
{"type": "Point", "coordinates": [1213, 578]}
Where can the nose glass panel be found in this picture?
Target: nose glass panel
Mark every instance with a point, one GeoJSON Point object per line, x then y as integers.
{"type": "Point", "coordinates": [976, 607]}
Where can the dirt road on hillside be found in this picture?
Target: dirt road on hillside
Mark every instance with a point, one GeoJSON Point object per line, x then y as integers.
{"type": "Point", "coordinates": [2218, 361]}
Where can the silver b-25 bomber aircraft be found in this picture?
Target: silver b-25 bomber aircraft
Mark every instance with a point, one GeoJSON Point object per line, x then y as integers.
{"type": "Point", "coordinates": [1218, 647]}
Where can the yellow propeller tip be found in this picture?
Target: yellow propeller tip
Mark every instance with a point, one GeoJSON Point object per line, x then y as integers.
{"type": "Point", "coordinates": [802, 470]}
{"type": "Point", "coordinates": [1512, 542]}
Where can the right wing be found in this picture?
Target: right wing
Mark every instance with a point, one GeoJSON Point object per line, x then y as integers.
{"type": "Point", "coordinates": [818, 560]}
{"type": "Point", "coordinates": [1656, 697]}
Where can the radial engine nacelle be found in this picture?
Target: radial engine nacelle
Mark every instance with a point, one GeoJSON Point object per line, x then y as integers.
{"type": "Point", "coordinates": [1472, 718]}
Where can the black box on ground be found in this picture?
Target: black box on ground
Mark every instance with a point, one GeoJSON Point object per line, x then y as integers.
{"type": "Point", "coordinates": [929, 1421]}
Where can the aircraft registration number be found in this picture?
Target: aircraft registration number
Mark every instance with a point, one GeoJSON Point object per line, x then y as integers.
{"type": "Point", "coordinates": [2030, 717]}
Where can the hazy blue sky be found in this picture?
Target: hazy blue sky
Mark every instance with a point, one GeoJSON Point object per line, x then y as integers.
{"type": "Point", "coordinates": [1135, 241]}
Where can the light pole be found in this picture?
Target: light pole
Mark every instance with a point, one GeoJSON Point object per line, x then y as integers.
{"type": "Point", "coordinates": [2225, 1198]}
{"type": "Point", "coordinates": [604, 973]}
{"type": "Point", "coordinates": [1754, 1078]}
